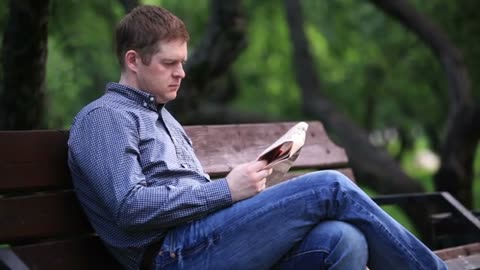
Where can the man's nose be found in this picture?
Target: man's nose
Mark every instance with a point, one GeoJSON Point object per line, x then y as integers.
{"type": "Point", "coordinates": [179, 72]}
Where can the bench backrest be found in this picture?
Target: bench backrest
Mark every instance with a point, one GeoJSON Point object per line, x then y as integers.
{"type": "Point", "coordinates": [42, 222]}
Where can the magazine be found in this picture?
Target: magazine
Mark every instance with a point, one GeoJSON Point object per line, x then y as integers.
{"type": "Point", "coordinates": [281, 155]}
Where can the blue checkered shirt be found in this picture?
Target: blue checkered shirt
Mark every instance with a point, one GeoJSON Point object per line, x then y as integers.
{"type": "Point", "coordinates": [135, 172]}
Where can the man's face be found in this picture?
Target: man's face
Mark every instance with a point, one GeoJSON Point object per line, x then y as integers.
{"type": "Point", "coordinates": [162, 77]}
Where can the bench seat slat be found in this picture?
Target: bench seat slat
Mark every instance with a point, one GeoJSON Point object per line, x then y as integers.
{"type": "Point", "coordinates": [45, 215]}
{"type": "Point", "coordinates": [38, 211]}
{"type": "Point", "coordinates": [72, 254]}
{"type": "Point", "coordinates": [35, 160]}
{"type": "Point", "coordinates": [221, 147]}
{"type": "Point", "coordinates": [460, 251]}
{"type": "Point", "coordinates": [23, 219]}
{"type": "Point", "coordinates": [469, 262]}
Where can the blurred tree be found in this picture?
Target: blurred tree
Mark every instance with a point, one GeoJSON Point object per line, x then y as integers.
{"type": "Point", "coordinates": [264, 73]}
{"type": "Point", "coordinates": [373, 166]}
{"type": "Point", "coordinates": [23, 55]}
{"type": "Point", "coordinates": [128, 5]}
{"type": "Point", "coordinates": [221, 44]}
{"type": "Point", "coordinates": [81, 56]}
{"type": "Point", "coordinates": [458, 150]}
{"type": "Point", "coordinates": [374, 73]}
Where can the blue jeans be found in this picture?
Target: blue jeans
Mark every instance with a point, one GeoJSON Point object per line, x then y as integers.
{"type": "Point", "coordinates": [321, 220]}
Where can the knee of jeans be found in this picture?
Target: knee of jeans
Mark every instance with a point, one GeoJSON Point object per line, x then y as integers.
{"type": "Point", "coordinates": [331, 177]}
{"type": "Point", "coordinates": [348, 238]}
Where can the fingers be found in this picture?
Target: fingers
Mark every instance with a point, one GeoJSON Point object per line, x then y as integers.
{"type": "Point", "coordinates": [262, 185]}
{"type": "Point", "coordinates": [259, 164]}
{"type": "Point", "coordinates": [265, 173]}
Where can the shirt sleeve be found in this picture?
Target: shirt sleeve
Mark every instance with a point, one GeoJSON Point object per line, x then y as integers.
{"type": "Point", "coordinates": [104, 160]}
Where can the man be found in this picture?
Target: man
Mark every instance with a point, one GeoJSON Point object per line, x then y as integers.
{"type": "Point", "coordinates": [146, 195]}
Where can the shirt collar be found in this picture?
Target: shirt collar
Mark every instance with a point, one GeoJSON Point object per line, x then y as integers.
{"type": "Point", "coordinates": [144, 99]}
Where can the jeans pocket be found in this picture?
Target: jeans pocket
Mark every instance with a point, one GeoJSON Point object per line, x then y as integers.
{"type": "Point", "coordinates": [166, 254]}
{"type": "Point", "coordinates": [173, 252]}
{"type": "Point", "coordinates": [178, 256]}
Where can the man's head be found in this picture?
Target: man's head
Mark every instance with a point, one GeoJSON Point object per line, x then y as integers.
{"type": "Point", "coordinates": [151, 49]}
{"type": "Point", "coordinates": [143, 28]}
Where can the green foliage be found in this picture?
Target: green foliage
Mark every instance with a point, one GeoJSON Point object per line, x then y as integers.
{"type": "Point", "coordinates": [194, 15]}
{"type": "Point", "coordinates": [81, 58]}
{"type": "Point", "coordinates": [411, 165]}
{"type": "Point", "coordinates": [378, 60]}
{"type": "Point", "coordinates": [264, 70]}
{"type": "Point", "coordinates": [376, 71]}
{"type": "Point", "coordinates": [362, 56]}
{"type": "Point", "coordinates": [476, 183]}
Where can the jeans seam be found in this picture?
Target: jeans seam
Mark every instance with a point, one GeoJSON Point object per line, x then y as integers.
{"type": "Point", "coordinates": [396, 241]}
{"type": "Point", "coordinates": [263, 209]}
{"type": "Point", "coordinates": [306, 252]}
{"type": "Point", "coordinates": [245, 219]}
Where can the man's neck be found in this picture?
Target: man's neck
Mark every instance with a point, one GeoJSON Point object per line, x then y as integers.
{"type": "Point", "coordinates": [128, 80]}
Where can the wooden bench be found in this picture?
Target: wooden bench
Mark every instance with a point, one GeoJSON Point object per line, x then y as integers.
{"type": "Point", "coordinates": [42, 225]}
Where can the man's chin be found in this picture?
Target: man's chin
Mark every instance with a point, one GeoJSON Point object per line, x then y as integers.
{"type": "Point", "coordinates": [171, 96]}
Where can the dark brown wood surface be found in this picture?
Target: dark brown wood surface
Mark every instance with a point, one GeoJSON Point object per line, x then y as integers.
{"type": "Point", "coordinates": [221, 147]}
{"type": "Point", "coordinates": [33, 160]}
{"type": "Point", "coordinates": [42, 221]}
{"type": "Point", "coordinates": [72, 254]}
{"type": "Point", "coordinates": [460, 251]}
{"type": "Point", "coordinates": [29, 218]}
{"type": "Point", "coordinates": [471, 262]}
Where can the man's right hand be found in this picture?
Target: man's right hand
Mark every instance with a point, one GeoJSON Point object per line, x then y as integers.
{"type": "Point", "coordinates": [248, 179]}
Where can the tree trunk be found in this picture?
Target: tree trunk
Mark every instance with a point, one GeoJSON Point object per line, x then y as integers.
{"type": "Point", "coordinates": [128, 5]}
{"type": "Point", "coordinates": [458, 149]}
{"type": "Point", "coordinates": [372, 166]}
{"type": "Point", "coordinates": [24, 54]}
{"type": "Point", "coordinates": [220, 46]}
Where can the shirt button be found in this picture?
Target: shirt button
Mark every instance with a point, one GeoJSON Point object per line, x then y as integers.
{"type": "Point", "coordinates": [172, 255]}
{"type": "Point", "coordinates": [144, 104]}
{"type": "Point", "coordinates": [152, 99]}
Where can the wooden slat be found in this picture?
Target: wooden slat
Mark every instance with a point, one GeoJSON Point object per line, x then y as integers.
{"type": "Point", "coordinates": [460, 251]}
{"type": "Point", "coordinates": [464, 263]}
{"type": "Point", "coordinates": [39, 216]}
{"type": "Point", "coordinates": [48, 215]}
{"type": "Point", "coordinates": [33, 159]}
{"type": "Point", "coordinates": [38, 159]}
{"type": "Point", "coordinates": [221, 147]}
{"type": "Point", "coordinates": [72, 254]}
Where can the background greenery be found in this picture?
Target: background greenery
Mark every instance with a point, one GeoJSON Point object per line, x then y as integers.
{"type": "Point", "coordinates": [378, 73]}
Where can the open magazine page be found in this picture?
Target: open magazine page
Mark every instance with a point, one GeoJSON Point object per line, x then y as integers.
{"type": "Point", "coordinates": [283, 152]}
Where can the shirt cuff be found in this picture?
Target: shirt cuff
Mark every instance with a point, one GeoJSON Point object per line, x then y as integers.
{"type": "Point", "coordinates": [218, 194]}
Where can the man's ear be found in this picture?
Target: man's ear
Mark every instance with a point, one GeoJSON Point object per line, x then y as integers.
{"type": "Point", "coordinates": [131, 60]}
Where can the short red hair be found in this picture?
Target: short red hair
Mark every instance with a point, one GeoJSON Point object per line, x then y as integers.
{"type": "Point", "coordinates": [143, 28]}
